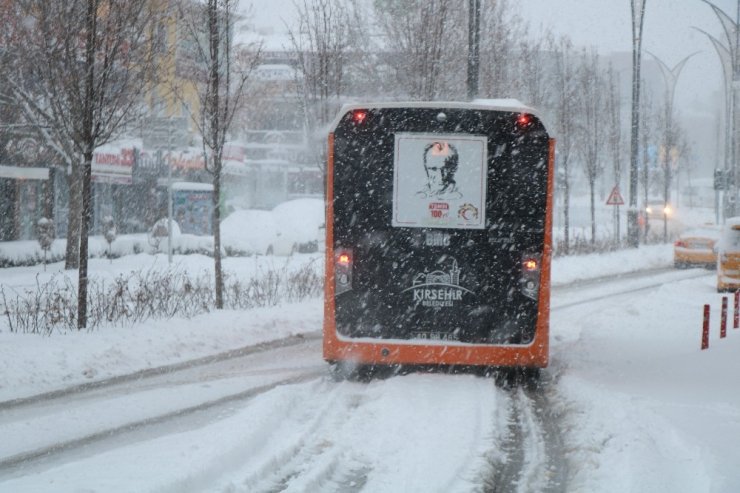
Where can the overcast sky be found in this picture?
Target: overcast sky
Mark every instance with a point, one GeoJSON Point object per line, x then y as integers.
{"type": "Point", "coordinates": [668, 33]}
{"type": "Point", "coordinates": [605, 24]}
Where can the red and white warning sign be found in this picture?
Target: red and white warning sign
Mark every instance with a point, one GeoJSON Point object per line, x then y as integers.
{"type": "Point", "coordinates": [615, 198]}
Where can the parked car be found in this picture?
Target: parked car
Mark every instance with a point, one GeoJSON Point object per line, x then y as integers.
{"type": "Point", "coordinates": [695, 248]}
{"type": "Point", "coordinates": [728, 256]}
{"type": "Point", "coordinates": [299, 226]}
{"type": "Point", "coordinates": [248, 232]}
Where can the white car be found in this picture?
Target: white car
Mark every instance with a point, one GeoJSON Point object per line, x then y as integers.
{"type": "Point", "coordinates": [300, 226]}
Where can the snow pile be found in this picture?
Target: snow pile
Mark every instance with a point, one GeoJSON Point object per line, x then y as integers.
{"type": "Point", "coordinates": [582, 267]}
{"type": "Point", "coordinates": [646, 410]}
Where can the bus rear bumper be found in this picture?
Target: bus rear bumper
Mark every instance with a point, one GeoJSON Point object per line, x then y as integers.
{"type": "Point", "coordinates": [391, 352]}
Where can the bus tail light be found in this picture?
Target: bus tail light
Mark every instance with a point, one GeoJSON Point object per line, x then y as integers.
{"type": "Point", "coordinates": [343, 260]}
{"type": "Point", "coordinates": [530, 278]}
{"type": "Point", "coordinates": [523, 120]}
{"type": "Point", "coordinates": [359, 116]}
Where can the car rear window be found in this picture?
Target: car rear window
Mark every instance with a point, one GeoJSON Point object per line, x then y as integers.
{"type": "Point", "coordinates": [700, 243]}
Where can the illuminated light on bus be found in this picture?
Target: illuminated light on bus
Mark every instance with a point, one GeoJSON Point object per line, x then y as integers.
{"type": "Point", "coordinates": [530, 264]}
{"type": "Point", "coordinates": [530, 281]}
{"type": "Point", "coordinates": [524, 120]}
{"type": "Point", "coordinates": [343, 271]}
{"type": "Point", "coordinates": [359, 116]}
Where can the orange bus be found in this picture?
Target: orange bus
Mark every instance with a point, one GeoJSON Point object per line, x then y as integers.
{"type": "Point", "coordinates": [438, 236]}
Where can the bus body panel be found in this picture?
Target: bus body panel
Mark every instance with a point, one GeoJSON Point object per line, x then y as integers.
{"type": "Point", "coordinates": [397, 342]}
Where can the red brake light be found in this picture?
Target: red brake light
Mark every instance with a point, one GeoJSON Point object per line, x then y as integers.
{"type": "Point", "coordinates": [680, 244]}
{"type": "Point", "coordinates": [524, 120]}
{"type": "Point", "coordinates": [359, 116]}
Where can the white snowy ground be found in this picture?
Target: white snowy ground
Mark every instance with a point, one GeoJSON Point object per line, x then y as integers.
{"type": "Point", "coordinates": [645, 410]}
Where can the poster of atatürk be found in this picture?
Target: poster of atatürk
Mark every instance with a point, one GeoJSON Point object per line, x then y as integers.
{"type": "Point", "coordinates": [439, 181]}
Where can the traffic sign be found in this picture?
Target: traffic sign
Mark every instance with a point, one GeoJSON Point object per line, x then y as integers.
{"type": "Point", "coordinates": [615, 198]}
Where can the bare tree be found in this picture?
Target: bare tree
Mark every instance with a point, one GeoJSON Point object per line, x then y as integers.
{"type": "Point", "coordinates": [564, 99]}
{"type": "Point", "coordinates": [590, 141]}
{"type": "Point", "coordinates": [221, 79]}
{"type": "Point", "coordinates": [614, 135]}
{"type": "Point", "coordinates": [532, 81]}
{"type": "Point", "coordinates": [90, 64]}
{"type": "Point", "coordinates": [423, 35]}
{"type": "Point", "coordinates": [320, 44]}
{"type": "Point", "coordinates": [500, 29]}
{"type": "Point", "coordinates": [648, 133]}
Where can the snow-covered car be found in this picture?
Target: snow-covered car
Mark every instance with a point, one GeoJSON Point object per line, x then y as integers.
{"type": "Point", "coordinates": [728, 256]}
{"type": "Point", "coordinates": [299, 226]}
{"type": "Point", "coordinates": [248, 232]}
{"type": "Point", "coordinates": [695, 248]}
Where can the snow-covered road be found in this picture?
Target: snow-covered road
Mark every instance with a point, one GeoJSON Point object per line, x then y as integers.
{"type": "Point", "coordinates": [629, 404]}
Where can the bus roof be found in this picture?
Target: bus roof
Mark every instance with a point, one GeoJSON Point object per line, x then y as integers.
{"type": "Point", "coordinates": [513, 105]}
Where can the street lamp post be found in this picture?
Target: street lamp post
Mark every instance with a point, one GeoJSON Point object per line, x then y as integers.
{"type": "Point", "coordinates": [730, 58]}
{"type": "Point", "coordinates": [670, 77]}
{"type": "Point", "coordinates": [725, 58]}
{"type": "Point", "coordinates": [638, 14]}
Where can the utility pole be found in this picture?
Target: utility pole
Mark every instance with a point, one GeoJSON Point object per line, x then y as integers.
{"type": "Point", "coordinates": [473, 47]}
{"type": "Point", "coordinates": [638, 14]}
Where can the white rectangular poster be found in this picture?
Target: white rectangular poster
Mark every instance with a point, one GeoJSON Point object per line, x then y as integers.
{"type": "Point", "coordinates": [439, 181]}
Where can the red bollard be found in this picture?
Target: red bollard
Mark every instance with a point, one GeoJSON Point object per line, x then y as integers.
{"type": "Point", "coordinates": [705, 329]}
{"type": "Point", "coordinates": [736, 321]}
{"type": "Point", "coordinates": [723, 319]}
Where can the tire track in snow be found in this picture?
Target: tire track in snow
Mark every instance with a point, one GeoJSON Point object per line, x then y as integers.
{"type": "Point", "coordinates": [311, 462]}
{"type": "Point", "coordinates": [532, 458]}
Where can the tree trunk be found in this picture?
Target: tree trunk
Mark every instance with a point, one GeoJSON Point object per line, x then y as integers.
{"type": "Point", "coordinates": [89, 146]}
{"type": "Point", "coordinates": [214, 106]}
{"type": "Point", "coordinates": [84, 232]}
{"type": "Point", "coordinates": [217, 237]}
{"type": "Point", "coordinates": [72, 254]}
{"type": "Point", "coordinates": [566, 209]}
{"type": "Point", "coordinates": [592, 186]}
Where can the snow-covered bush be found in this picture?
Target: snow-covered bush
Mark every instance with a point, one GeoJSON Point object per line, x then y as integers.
{"type": "Point", "coordinates": [45, 234]}
{"type": "Point", "coordinates": [160, 230]}
{"type": "Point", "coordinates": [153, 294]}
{"type": "Point", "coordinates": [109, 232]}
